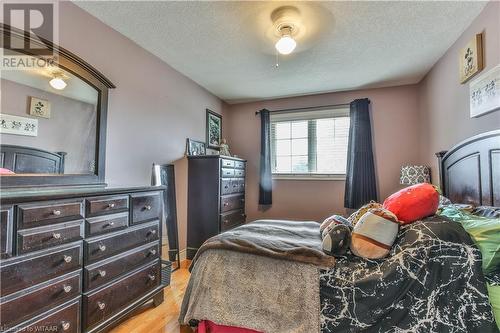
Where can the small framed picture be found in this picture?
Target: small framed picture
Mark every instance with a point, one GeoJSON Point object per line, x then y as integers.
{"type": "Point", "coordinates": [485, 93]}
{"type": "Point", "coordinates": [195, 148]}
{"type": "Point", "coordinates": [39, 107]}
{"type": "Point", "coordinates": [471, 58]}
{"type": "Point", "coordinates": [214, 129]}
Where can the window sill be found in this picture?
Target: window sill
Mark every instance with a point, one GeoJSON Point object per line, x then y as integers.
{"type": "Point", "coordinates": [308, 177]}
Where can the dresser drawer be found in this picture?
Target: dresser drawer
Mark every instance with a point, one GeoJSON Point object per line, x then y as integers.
{"type": "Point", "coordinates": [103, 224]}
{"type": "Point", "coordinates": [227, 173]}
{"type": "Point", "coordinates": [104, 271]}
{"type": "Point", "coordinates": [239, 164]}
{"type": "Point", "coordinates": [230, 220]}
{"type": "Point", "coordinates": [6, 223]}
{"type": "Point", "coordinates": [41, 238]}
{"type": "Point", "coordinates": [106, 205]}
{"type": "Point", "coordinates": [27, 271]}
{"type": "Point", "coordinates": [225, 187]}
{"type": "Point", "coordinates": [240, 173]}
{"type": "Point", "coordinates": [65, 318]}
{"type": "Point", "coordinates": [226, 163]}
{"type": "Point", "coordinates": [108, 245]}
{"type": "Point", "coordinates": [34, 215]}
{"type": "Point", "coordinates": [145, 206]}
{"type": "Point", "coordinates": [238, 185]}
{"type": "Point", "coordinates": [25, 305]}
{"type": "Point", "coordinates": [232, 202]}
{"type": "Point", "coordinates": [101, 304]}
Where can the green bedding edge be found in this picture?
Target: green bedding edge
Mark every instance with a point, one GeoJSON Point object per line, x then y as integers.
{"type": "Point", "coordinates": [494, 292]}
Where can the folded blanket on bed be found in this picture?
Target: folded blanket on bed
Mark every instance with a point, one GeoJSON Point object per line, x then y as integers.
{"type": "Point", "coordinates": [287, 240]}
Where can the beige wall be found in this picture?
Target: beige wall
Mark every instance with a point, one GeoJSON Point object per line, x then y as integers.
{"type": "Point", "coordinates": [394, 116]}
{"type": "Point", "coordinates": [151, 112]}
{"type": "Point", "coordinates": [444, 102]}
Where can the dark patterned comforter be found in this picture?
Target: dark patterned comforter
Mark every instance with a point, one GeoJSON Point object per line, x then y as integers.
{"type": "Point", "coordinates": [431, 282]}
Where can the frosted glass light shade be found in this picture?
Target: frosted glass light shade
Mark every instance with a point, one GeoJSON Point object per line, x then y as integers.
{"type": "Point", "coordinates": [286, 45]}
{"type": "Point", "coordinates": [58, 83]}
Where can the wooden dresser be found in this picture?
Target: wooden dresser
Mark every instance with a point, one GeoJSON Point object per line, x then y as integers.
{"type": "Point", "coordinates": [216, 197]}
{"type": "Point", "coordinates": [78, 260]}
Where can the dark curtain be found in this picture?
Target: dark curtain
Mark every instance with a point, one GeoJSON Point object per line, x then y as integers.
{"type": "Point", "coordinates": [360, 185]}
{"type": "Point", "coordinates": [265, 182]}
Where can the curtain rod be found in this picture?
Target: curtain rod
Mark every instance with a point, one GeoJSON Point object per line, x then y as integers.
{"type": "Point", "coordinates": [307, 108]}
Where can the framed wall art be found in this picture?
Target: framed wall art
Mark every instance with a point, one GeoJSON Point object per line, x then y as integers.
{"type": "Point", "coordinates": [485, 93]}
{"type": "Point", "coordinates": [471, 58]}
{"type": "Point", "coordinates": [10, 124]}
{"type": "Point", "coordinates": [39, 107]}
{"type": "Point", "coordinates": [214, 129]}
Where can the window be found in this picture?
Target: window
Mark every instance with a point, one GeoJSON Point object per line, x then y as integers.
{"type": "Point", "coordinates": [310, 143]}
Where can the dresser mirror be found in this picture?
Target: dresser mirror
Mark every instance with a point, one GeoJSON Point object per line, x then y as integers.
{"type": "Point", "coordinates": [53, 116]}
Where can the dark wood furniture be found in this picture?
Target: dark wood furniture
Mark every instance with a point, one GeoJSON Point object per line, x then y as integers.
{"type": "Point", "coordinates": [470, 171]}
{"type": "Point", "coordinates": [70, 62]}
{"type": "Point", "coordinates": [216, 197]}
{"type": "Point", "coordinates": [21, 159]}
{"type": "Point", "coordinates": [78, 260]}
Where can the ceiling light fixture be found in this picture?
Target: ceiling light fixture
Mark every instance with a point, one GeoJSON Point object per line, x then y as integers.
{"type": "Point", "coordinates": [58, 83]}
{"type": "Point", "coordinates": [286, 44]}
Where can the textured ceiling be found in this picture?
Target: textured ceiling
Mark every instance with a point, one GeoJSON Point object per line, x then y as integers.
{"type": "Point", "coordinates": [228, 47]}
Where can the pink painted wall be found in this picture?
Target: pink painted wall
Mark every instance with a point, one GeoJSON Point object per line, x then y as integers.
{"type": "Point", "coordinates": [444, 102]}
{"type": "Point", "coordinates": [151, 112]}
{"type": "Point", "coordinates": [395, 136]}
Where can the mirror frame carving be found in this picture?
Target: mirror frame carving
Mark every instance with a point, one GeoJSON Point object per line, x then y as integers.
{"type": "Point", "coordinates": [84, 71]}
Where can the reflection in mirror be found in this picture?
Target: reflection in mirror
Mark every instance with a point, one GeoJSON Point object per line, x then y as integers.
{"type": "Point", "coordinates": [48, 122]}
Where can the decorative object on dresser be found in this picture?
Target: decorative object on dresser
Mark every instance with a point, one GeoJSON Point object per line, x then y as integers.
{"type": "Point", "coordinates": [214, 129]}
{"type": "Point", "coordinates": [195, 148]}
{"type": "Point", "coordinates": [164, 175]}
{"type": "Point", "coordinates": [471, 58]}
{"type": "Point", "coordinates": [415, 174]}
{"type": "Point", "coordinates": [485, 93]}
{"type": "Point", "coordinates": [224, 148]}
{"type": "Point", "coordinates": [216, 197]}
{"type": "Point", "coordinates": [68, 255]}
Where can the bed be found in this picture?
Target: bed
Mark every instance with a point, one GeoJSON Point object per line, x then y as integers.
{"type": "Point", "coordinates": [432, 281]}
{"type": "Point", "coordinates": [25, 160]}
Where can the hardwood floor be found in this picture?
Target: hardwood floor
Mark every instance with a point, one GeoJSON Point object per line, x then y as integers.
{"type": "Point", "coordinates": [162, 319]}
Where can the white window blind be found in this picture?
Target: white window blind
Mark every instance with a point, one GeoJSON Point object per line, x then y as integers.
{"type": "Point", "coordinates": [310, 142]}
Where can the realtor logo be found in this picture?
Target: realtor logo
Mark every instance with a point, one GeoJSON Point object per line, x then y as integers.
{"type": "Point", "coordinates": [35, 19]}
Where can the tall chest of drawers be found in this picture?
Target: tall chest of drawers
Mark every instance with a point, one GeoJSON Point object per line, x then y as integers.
{"type": "Point", "coordinates": [78, 260]}
{"type": "Point", "coordinates": [216, 197]}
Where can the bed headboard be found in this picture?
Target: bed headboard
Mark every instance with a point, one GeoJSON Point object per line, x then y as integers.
{"type": "Point", "coordinates": [470, 171]}
{"type": "Point", "coordinates": [31, 160]}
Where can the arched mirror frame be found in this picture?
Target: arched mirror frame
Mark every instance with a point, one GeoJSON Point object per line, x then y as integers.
{"type": "Point", "coordinates": [78, 67]}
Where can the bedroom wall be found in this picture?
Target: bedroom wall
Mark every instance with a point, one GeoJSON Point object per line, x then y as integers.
{"type": "Point", "coordinates": [395, 136]}
{"type": "Point", "coordinates": [151, 112]}
{"type": "Point", "coordinates": [444, 102]}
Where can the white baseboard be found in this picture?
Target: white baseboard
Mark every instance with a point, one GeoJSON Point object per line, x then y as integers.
{"type": "Point", "coordinates": [182, 255]}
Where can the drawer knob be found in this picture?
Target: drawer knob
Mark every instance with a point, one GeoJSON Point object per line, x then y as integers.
{"type": "Point", "coordinates": [147, 207]}
{"type": "Point", "coordinates": [102, 247]}
{"type": "Point", "coordinates": [65, 325]}
{"type": "Point", "coordinates": [111, 223]}
{"type": "Point", "coordinates": [102, 273]}
{"type": "Point", "coordinates": [67, 289]}
{"type": "Point", "coordinates": [56, 212]}
{"type": "Point", "coordinates": [101, 305]}
{"type": "Point", "coordinates": [152, 252]}
{"type": "Point", "coordinates": [111, 205]}
{"type": "Point", "coordinates": [226, 221]}
{"type": "Point", "coordinates": [226, 204]}
{"type": "Point", "coordinates": [68, 259]}
{"type": "Point", "coordinates": [56, 235]}
{"type": "Point", "coordinates": [152, 232]}
{"type": "Point", "coordinates": [152, 277]}
{"type": "Point", "coordinates": [226, 186]}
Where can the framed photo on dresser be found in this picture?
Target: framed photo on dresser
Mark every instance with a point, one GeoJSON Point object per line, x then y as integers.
{"type": "Point", "coordinates": [214, 129]}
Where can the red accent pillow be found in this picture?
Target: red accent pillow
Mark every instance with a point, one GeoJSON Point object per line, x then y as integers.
{"type": "Point", "coordinates": [4, 171]}
{"type": "Point", "coordinates": [413, 203]}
